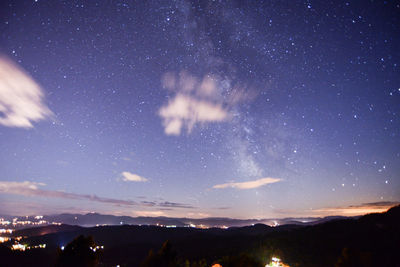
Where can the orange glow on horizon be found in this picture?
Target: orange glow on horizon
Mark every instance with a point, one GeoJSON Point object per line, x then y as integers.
{"type": "Point", "coordinates": [351, 211]}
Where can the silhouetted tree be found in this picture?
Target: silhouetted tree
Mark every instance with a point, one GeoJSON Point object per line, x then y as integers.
{"type": "Point", "coordinates": [165, 257]}
{"type": "Point", "coordinates": [6, 256]}
{"type": "Point", "coordinates": [79, 253]}
{"type": "Point", "coordinates": [239, 261]}
{"type": "Point", "coordinates": [351, 257]}
{"type": "Point", "coordinates": [200, 263]}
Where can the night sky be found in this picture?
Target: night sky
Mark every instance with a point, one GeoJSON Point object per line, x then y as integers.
{"type": "Point", "coordinates": [199, 108]}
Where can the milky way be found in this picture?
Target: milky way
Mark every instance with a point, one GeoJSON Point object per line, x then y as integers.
{"type": "Point", "coordinates": [199, 108]}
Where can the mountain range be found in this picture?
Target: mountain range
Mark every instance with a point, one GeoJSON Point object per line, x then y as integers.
{"type": "Point", "coordinates": [96, 219]}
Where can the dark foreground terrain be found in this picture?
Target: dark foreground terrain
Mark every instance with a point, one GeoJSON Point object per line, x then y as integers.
{"type": "Point", "coordinates": [371, 240]}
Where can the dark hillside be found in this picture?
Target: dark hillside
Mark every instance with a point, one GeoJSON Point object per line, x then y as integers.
{"type": "Point", "coordinates": [371, 240]}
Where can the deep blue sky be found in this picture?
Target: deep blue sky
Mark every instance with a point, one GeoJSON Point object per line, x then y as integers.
{"type": "Point", "coordinates": [199, 108]}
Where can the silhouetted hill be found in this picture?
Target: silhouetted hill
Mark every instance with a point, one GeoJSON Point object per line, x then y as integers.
{"type": "Point", "coordinates": [44, 230]}
{"type": "Point", "coordinates": [371, 240]}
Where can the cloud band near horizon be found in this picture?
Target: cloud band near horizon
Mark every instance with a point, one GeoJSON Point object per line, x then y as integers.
{"type": "Point", "coordinates": [32, 189]}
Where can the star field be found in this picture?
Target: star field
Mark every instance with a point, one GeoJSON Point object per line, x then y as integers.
{"type": "Point", "coordinates": [199, 108]}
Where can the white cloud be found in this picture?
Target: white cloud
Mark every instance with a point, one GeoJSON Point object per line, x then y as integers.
{"type": "Point", "coordinates": [196, 101]}
{"type": "Point", "coordinates": [185, 111]}
{"type": "Point", "coordinates": [248, 184]}
{"type": "Point", "coordinates": [25, 187]}
{"type": "Point", "coordinates": [131, 177]}
{"type": "Point", "coordinates": [21, 98]}
{"type": "Point", "coordinates": [208, 86]}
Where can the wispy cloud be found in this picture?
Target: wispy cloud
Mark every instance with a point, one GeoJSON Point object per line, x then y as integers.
{"type": "Point", "coordinates": [131, 177]}
{"type": "Point", "coordinates": [222, 208]}
{"type": "Point", "coordinates": [248, 184]}
{"type": "Point", "coordinates": [28, 188]}
{"type": "Point", "coordinates": [33, 207]}
{"type": "Point", "coordinates": [21, 98]}
{"type": "Point", "coordinates": [34, 189]}
{"type": "Point", "coordinates": [378, 204]}
{"type": "Point", "coordinates": [168, 204]}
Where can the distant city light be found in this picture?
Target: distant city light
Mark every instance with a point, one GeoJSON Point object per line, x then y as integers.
{"type": "Point", "coordinates": [6, 231]}
{"type": "Point", "coordinates": [94, 249]}
{"type": "Point", "coordinates": [17, 223]}
{"type": "Point", "coordinates": [18, 247]}
{"type": "Point", "coordinates": [4, 222]}
{"type": "Point", "coordinates": [4, 239]}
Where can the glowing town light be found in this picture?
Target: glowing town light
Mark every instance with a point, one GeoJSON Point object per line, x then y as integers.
{"type": "Point", "coordinates": [94, 249]}
{"type": "Point", "coordinates": [4, 239]}
{"type": "Point", "coordinates": [4, 222]}
{"type": "Point", "coordinates": [276, 262]}
{"type": "Point", "coordinates": [18, 247]}
{"type": "Point", "coordinates": [38, 246]}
